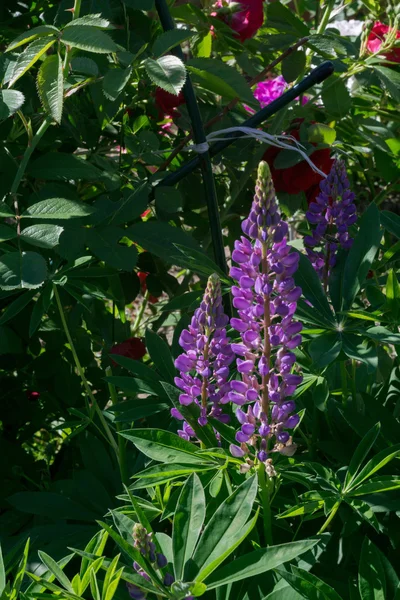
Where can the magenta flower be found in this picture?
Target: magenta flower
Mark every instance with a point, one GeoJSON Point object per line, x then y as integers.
{"type": "Point", "coordinates": [266, 299]}
{"type": "Point", "coordinates": [268, 91]}
{"type": "Point", "coordinates": [204, 366]}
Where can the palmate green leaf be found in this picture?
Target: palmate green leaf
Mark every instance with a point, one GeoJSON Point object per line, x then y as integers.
{"type": "Point", "coordinates": [59, 574]}
{"type": "Point", "coordinates": [378, 484]}
{"type": "Point", "coordinates": [43, 236]}
{"type": "Point", "coordinates": [188, 522]}
{"type": "Point", "coordinates": [383, 335]}
{"type": "Point", "coordinates": [25, 270]}
{"type": "Point", "coordinates": [16, 306]}
{"type": "Point", "coordinates": [307, 278]}
{"type": "Point", "coordinates": [308, 585]}
{"type": "Point", "coordinates": [10, 102]}
{"type": "Point", "coordinates": [164, 446]}
{"type": "Point", "coordinates": [361, 255]}
{"type": "Point", "coordinates": [161, 355]}
{"type": "Point", "coordinates": [57, 208]}
{"type": "Point", "coordinates": [28, 57]}
{"type": "Point", "coordinates": [115, 81]}
{"type": "Point", "coordinates": [223, 531]}
{"type": "Point", "coordinates": [88, 38]}
{"type": "Point", "coordinates": [161, 239]}
{"type": "Point", "coordinates": [7, 233]}
{"type": "Point", "coordinates": [307, 508]}
{"type": "Point", "coordinates": [35, 32]}
{"type": "Point", "coordinates": [199, 262]}
{"type": "Point", "coordinates": [354, 346]}
{"type": "Point", "coordinates": [185, 301]}
{"type": "Point", "coordinates": [50, 84]}
{"type": "Point", "coordinates": [218, 77]}
{"type": "Point", "coordinates": [360, 455]}
{"type": "Point", "coordinates": [142, 371]}
{"type": "Point", "coordinates": [103, 242]}
{"type": "Point", "coordinates": [131, 386]}
{"type": "Point", "coordinates": [167, 72]}
{"type": "Point", "coordinates": [258, 562]}
{"type": "Point", "coordinates": [376, 463]}
{"type": "Point", "coordinates": [325, 348]}
{"type": "Point", "coordinates": [391, 222]}
{"type": "Point", "coordinates": [364, 511]}
{"type": "Point", "coordinates": [169, 39]}
{"type": "Point", "coordinates": [371, 576]}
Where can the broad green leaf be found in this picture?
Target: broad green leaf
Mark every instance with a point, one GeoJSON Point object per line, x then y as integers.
{"type": "Point", "coordinates": [203, 47]}
{"type": "Point", "coordinates": [223, 529]}
{"type": "Point", "coordinates": [168, 72]}
{"type": "Point", "coordinates": [393, 293]}
{"type": "Point", "coordinates": [16, 306]}
{"type": "Point", "coordinates": [7, 233]}
{"type": "Point", "coordinates": [103, 242]}
{"type": "Point", "coordinates": [183, 302]}
{"type": "Point", "coordinates": [293, 65]}
{"type": "Point", "coordinates": [88, 38]}
{"type": "Point", "coordinates": [308, 280]}
{"type": "Point", "coordinates": [199, 262]}
{"type": "Point", "coordinates": [91, 21]}
{"type": "Point", "coordinates": [391, 222]}
{"type": "Point", "coordinates": [390, 80]}
{"type": "Point", "coordinates": [284, 19]}
{"type": "Point", "coordinates": [43, 236]}
{"type": "Point", "coordinates": [115, 81]}
{"type": "Point", "coordinates": [188, 522]}
{"type": "Point", "coordinates": [67, 167]}
{"type": "Point", "coordinates": [371, 576]}
{"type": "Point", "coordinates": [167, 471]}
{"type": "Point", "coordinates": [50, 505]}
{"type": "Point", "coordinates": [35, 32]}
{"type": "Point", "coordinates": [218, 77]}
{"type": "Point", "coordinates": [325, 348]}
{"type": "Point", "coordinates": [319, 133]}
{"type": "Point", "coordinates": [164, 446]}
{"type": "Point", "coordinates": [336, 97]}
{"type": "Point", "coordinates": [141, 370]}
{"type": "Point", "coordinates": [361, 255]}
{"type": "Point", "coordinates": [50, 84]}
{"type": "Point", "coordinates": [258, 562]}
{"type": "Point", "coordinates": [29, 56]}
{"type": "Point", "coordinates": [85, 65]}
{"type": "Point", "coordinates": [56, 570]}
{"type": "Point", "coordinates": [131, 386]}
{"type": "Point", "coordinates": [132, 205]}
{"type": "Point", "coordinates": [20, 571]}
{"type": "Point", "coordinates": [376, 463]}
{"type": "Point", "coordinates": [160, 354]}
{"type": "Point", "coordinates": [355, 347]}
{"type": "Point", "coordinates": [57, 208]}
{"type": "Point", "coordinates": [308, 585]}
{"type": "Point", "coordinates": [10, 102]}
{"type": "Point", "coordinates": [2, 573]}
{"type": "Point", "coordinates": [383, 335]}
{"type": "Point", "coordinates": [25, 270]}
{"type": "Point", "coordinates": [360, 454]}
{"type": "Point", "coordinates": [376, 485]}
{"type": "Point", "coordinates": [303, 509]}
{"type": "Point", "coordinates": [168, 199]}
{"type": "Point", "coordinates": [160, 239]}
{"type": "Point", "coordinates": [169, 39]}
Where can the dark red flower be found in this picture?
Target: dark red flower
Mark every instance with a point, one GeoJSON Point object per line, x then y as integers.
{"type": "Point", "coordinates": [143, 286]}
{"type": "Point", "coordinates": [245, 22]}
{"type": "Point", "coordinates": [32, 395]}
{"type": "Point", "coordinates": [167, 102]}
{"type": "Point", "coordinates": [300, 177]}
{"type": "Point", "coordinates": [376, 38]}
{"type": "Point", "coordinates": [131, 348]}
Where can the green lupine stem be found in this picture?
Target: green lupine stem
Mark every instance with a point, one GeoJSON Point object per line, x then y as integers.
{"type": "Point", "coordinates": [330, 517]}
{"type": "Point", "coordinates": [82, 375]}
{"type": "Point", "coordinates": [265, 501]}
{"type": "Point", "coordinates": [343, 374]}
{"type": "Point", "coordinates": [140, 314]}
{"type": "Point", "coordinates": [121, 441]}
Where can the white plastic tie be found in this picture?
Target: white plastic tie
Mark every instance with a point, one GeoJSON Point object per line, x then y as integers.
{"type": "Point", "coordinates": [285, 142]}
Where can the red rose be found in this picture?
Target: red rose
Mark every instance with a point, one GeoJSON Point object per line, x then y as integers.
{"type": "Point", "coordinates": [300, 177]}
{"type": "Point", "coordinates": [32, 395]}
{"type": "Point", "coordinates": [167, 102]}
{"type": "Point", "coordinates": [131, 348]}
{"type": "Point", "coordinates": [143, 276]}
{"type": "Point", "coordinates": [376, 38]}
{"type": "Point", "coordinates": [245, 22]}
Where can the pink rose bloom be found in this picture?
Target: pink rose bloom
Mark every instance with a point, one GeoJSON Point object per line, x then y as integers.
{"type": "Point", "coordinates": [268, 91]}
{"type": "Point", "coordinates": [245, 22]}
{"type": "Point", "coordinates": [376, 38]}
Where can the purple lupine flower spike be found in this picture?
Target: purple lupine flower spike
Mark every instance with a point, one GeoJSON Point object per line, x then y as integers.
{"type": "Point", "coordinates": [330, 216]}
{"type": "Point", "coordinates": [266, 298]}
{"type": "Point", "coordinates": [143, 542]}
{"type": "Point", "coordinates": [204, 366]}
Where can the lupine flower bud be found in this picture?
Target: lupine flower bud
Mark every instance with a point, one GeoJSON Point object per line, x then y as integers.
{"type": "Point", "coordinates": [265, 297]}
{"type": "Point", "coordinates": [204, 366]}
{"type": "Point", "coordinates": [331, 215]}
{"type": "Point", "coordinates": [143, 542]}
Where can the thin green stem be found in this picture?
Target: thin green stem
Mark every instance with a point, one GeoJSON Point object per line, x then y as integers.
{"type": "Point", "coordinates": [265, 501]}
{"type": "Point", "coordinates": [121, 441]}
{"type": "Point", "coordinates": [27, 154]}
{"type": "Point", "coordinates": [353, 381]}
{"type": "Point", "coordinates": [330, 517]}
{"type": "Point", "coordinates": [75, 15]}
{"type": "Point", "coordinates": [343, 374]}
{"type": "Point", "coordinates": [325, 17]}
{"type": "Point", "coordinates": [140, 314]}
{"type": "Point", "coordinates": [82, 374]}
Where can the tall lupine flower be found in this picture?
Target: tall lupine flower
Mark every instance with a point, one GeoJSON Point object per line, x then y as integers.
{"type": "Point", "coordinates": [331, 214]}
{"type": "Point", "coordinates": [143, 542]}
{"type": "Point", "coordinates": [266, 299]}
{"type": "Point", "coordinates": [204, 366]}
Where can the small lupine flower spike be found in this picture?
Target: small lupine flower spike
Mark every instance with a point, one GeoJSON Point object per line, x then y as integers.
{"type": "Point", "coordinates": [266, 299]}
{"type": "Point", "coordinates": [330, 216]}
{"type": "Point", "coordinates": [204, 366]}
{"type": "Point", "coordinates": [143, 542]}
